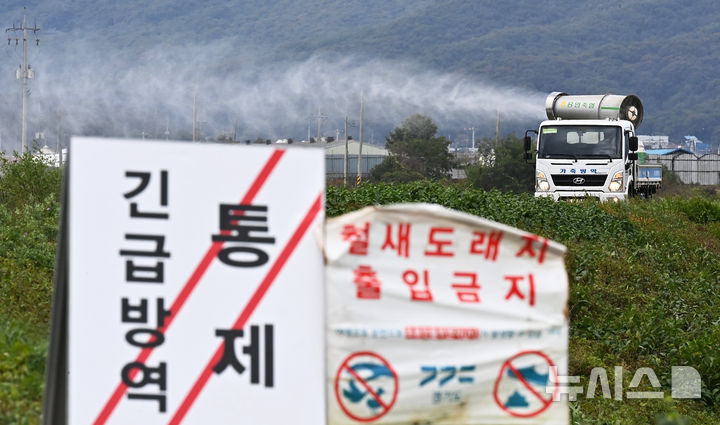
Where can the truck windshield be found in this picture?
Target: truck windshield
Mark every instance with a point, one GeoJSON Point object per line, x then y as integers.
{"type": "Point", "coordinates": [564, 141]}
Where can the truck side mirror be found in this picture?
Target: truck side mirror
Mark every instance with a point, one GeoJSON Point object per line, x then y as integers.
{"type": "Point", "coordinates": [527, 143]}
{"type": "Point", "coordinates": [633, 143]}
{"type": "Point", "coordinates": [633, 156]}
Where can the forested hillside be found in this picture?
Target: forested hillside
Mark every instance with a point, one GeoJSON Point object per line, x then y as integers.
{"type": "Point", "coordinates": [666, 52]}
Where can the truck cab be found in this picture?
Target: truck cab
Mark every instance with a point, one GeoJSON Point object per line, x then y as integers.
{"type": "Point", "coordinates": [585, 149]}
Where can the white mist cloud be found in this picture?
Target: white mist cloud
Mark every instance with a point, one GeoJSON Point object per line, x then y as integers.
{"type": "Point", "coordinates": [100, 93]}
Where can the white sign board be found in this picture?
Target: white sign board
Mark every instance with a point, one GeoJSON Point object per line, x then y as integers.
{"type": "Point", "coordinates": [436, 316]}
{"type": "Point", "coordinates": [195, 284]}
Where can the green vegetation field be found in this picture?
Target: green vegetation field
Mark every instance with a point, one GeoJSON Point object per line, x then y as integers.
{"type": "Point", "coordinates": [644, 279]}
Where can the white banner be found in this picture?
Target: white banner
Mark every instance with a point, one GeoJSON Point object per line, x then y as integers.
{"type": "Point", "coordinates": [436, 316]}
{"type": "Point", "coordinates": [195, 284]}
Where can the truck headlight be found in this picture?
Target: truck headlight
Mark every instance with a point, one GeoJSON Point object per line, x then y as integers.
{"type": "Point", "coordinates": [617, 182]}
{"type": "Point", "coordinates": [541, 182]}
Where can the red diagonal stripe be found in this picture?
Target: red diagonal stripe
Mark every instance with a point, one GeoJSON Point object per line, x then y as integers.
{"type": "Point", "coordinates": [527, 385]}
{"type": "Point", "coordinates": [189, 287]}
{"type": "Point", "coordinates": [367, 386]}
{"type": "Point", "coordinates": [250, 307]}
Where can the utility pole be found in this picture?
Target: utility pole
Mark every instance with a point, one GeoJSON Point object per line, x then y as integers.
{"type": "Point", "coordinates": [196, 131]}
{"type": "Point", "coordinates": [25, 72]}
{"type": "Point", "coordinates": [59, 139]}
{"type": "Point", "coordinates": [359, 157]}
{"type": "Point", "coordinates": [320, 118]}
{"type": "Point", "coordinates": [345, 163]}
{"type": "Point", "coordinates": [473, 136]}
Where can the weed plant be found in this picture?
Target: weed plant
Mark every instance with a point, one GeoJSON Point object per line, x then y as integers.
{"type": "Point", "coordinates": [644, 281]}
{"type": "Point", "coordinates": [29, 210]}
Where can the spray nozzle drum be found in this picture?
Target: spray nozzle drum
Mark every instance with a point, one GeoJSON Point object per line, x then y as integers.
{"type": "Point", "coordinates": [608, 106]}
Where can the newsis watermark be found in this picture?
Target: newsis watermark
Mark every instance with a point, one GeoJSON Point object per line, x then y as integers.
{"type": "Point", "coordinates": [685, 384]}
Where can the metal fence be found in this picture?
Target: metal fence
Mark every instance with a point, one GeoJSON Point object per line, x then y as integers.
{"type": "Point", "coordinates": [691, 169]}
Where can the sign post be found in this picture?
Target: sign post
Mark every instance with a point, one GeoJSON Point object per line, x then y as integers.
{"type": "Point", "coordinates": [439, 316]}
{"type": "Point", "coordinates": [194, 284]}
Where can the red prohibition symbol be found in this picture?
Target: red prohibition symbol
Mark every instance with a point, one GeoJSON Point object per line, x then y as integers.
{"type": "Point", "coordinates": [523, 376]}
{"type": "Point", "coordinates": [366, 397]}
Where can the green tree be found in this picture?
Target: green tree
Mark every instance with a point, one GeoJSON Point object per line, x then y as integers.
{"type": "Point", "coordinates": [415, 153]}
{"type": "Point", "coordinates": [502, 167]}
{"type": "Point", "coordinates": [27, 179]}
{"type": "Point", "coordinates": [390, 170]}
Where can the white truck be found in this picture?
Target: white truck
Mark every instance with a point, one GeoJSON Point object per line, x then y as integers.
{"type": "Point", "coordinates": [588, 147]}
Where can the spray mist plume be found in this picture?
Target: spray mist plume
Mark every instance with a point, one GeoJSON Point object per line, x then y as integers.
{"type": "Point", "coordinates": [99, 94]}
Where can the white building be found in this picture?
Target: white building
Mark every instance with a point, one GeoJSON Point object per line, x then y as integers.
{"type": "Point", "coordinates": [654, 142]}
{"type": "Point", "coordinates": [51, 157]}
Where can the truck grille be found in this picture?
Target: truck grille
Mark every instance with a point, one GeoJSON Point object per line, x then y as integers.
{"type": "Point", "coordinates": [579, 180]}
